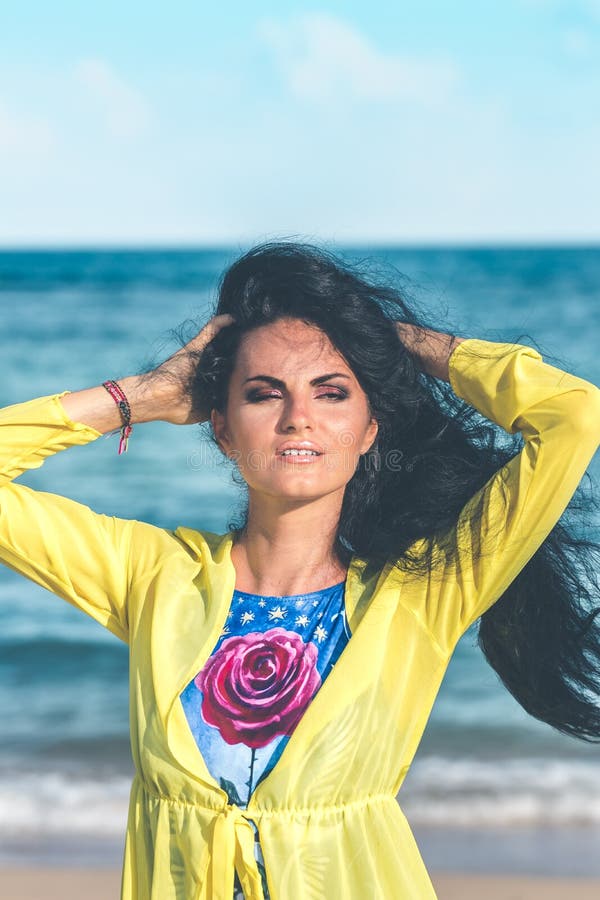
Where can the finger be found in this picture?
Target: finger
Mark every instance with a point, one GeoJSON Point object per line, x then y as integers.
{"type": "Point", "coordinates": [222, 319]}
{"type": "Point", "coordinates": [218, 322]}
{"type": "Point", "coordinates": [210, 330]}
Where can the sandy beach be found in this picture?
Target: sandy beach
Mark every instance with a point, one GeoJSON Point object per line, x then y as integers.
{"type": "Point", "coordinates": [522, 887]}
{"type": "Point", "coordinates": [103, 884]}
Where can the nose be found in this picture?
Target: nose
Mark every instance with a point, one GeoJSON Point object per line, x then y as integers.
{"type": "Point", "coordinates": [296, 414]}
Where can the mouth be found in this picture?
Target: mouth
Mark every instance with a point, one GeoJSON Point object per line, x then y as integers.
{"type": "Point", "coordinates": [302, 458]}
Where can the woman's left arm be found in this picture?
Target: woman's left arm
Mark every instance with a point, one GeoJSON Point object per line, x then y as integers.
{"type": "Point", "coordinates": [506, 521]}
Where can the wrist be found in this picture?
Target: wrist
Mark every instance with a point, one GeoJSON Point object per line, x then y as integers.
{"type": "Point", "coordinates": [150, 398]}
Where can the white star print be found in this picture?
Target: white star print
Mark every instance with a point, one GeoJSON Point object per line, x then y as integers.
{"type": "Point", "coordinates": [315, 602]}
{"type": "Point", "coordinates": [247, 617]}
{"type": "Point", "coordinates": [301, 620]}
{"type": "Point", "coordinates": [277, 613]}
{"type": "Point", "coordinates": [229, 615]}
{"type": "Point", "coordinates": [241, 599]}
{"type": "Point", "coordinates": [262, 602]}
{"type": "Point", "coordinates": [225, 630]}
{"type": "Point", "coordinates": [320, 633]}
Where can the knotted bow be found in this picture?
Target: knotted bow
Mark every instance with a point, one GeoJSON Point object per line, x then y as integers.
{"type": "Point", "coordinates": [233, 851]}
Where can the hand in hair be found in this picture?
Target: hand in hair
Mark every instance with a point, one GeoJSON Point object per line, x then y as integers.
{"type": "Point", "coordinates": [158, 395]}
{"type": "Point", "coordinates": [431, 348]}
{"type": "Point", "coordinates": [178, 368]}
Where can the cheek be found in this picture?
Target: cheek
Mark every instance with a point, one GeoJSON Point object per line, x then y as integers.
{"type": "Point", "coordinates": [350, 429]}
{"type": "Point", "coordinates": [252, 430]}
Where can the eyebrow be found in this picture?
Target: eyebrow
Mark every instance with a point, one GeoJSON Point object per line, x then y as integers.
{"type": "Point", "coordinates": [281, 384]}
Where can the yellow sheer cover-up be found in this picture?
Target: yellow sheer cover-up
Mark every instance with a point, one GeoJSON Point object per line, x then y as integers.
{"type": "Point", "coordinates": [328, 819]}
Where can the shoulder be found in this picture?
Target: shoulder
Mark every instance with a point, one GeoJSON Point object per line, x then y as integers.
{"type": "Point", "coordinates": [153, 547]}
{"type": "Point", "coordinates": [205, 545]}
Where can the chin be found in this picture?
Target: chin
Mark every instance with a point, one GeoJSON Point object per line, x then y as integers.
{"type": "Point", "coordinates": [302, 489]}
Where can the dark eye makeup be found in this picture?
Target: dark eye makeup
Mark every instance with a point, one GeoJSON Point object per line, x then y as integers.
{"type": "Point", "coordinates": [256, 396]}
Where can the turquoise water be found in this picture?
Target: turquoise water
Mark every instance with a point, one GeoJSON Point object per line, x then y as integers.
{"type": "Point", "coordinates": [71, 320]}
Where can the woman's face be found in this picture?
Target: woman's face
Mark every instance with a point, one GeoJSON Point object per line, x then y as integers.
{"type": "Point", "coordinates": [279, 396]}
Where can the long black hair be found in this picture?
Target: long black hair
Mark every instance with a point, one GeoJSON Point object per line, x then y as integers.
{"type": "Point", "coordinates": [543, 636]}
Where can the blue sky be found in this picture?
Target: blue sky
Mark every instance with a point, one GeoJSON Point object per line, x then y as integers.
{"type": "Point", "coordinates": [379, 122]}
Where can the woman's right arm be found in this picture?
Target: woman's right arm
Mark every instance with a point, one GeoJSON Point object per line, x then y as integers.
{"type": "Point", "coordinates": [149, 402]}
{"type": "Point", "coordinates": [154, 397]}
{"type": "Point", "coordinates": [80, 555]}
{"type": "Point", "coordinates": [64, 546]}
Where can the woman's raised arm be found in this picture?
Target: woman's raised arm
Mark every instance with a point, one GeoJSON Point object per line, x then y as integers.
{"type": "Point", "coordinates": [432, 349]}
{"type": "Point", "coordinates": [503, 524]}
{"type": "Point", "coordinates": [80, 555]}
{"type": "Point", "coordinates": [158, 396]}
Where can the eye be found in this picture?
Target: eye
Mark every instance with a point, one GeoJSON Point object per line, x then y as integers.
{"type": "Point", "coordinates": [254, 397]}
{"type": "Point", "coordinates": [336, 395]}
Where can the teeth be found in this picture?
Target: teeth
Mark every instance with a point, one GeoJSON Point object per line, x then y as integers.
{"type": "Point", "coordinates": [299, 453]}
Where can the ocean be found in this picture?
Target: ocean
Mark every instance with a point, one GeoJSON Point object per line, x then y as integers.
{"type": "Point", "coordinates": [490, 786]}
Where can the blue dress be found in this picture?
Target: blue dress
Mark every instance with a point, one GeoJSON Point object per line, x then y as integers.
{"type": "Point", "coordinates": [270, 660]}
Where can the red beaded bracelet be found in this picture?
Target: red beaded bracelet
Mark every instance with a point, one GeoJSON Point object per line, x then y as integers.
{"type": "Point", "coordinates": [120, 399]}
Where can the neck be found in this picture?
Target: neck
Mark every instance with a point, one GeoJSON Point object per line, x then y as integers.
{"type": "Point", "coordinates": [290, 552]}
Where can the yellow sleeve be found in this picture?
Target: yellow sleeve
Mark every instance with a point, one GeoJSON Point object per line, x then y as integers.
{"type": "Point", "coordinates": [558, 415]}
{"type": "Point", "coordinates": [62, 545]}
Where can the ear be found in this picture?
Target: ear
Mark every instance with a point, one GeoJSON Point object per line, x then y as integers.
{"type": "Point", "coordinates": [370, 436]}
{"type": "Point", "coordinates": [217, 420]}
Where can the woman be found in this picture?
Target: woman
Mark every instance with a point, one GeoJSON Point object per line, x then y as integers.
{"type": "Point", "coordinates": [305, 647]}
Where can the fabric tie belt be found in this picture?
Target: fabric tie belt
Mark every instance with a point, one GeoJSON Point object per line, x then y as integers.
{"type": "Point", "coordinates": [233, 851]}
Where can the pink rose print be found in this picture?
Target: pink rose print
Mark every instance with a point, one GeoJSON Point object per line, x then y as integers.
{"type": "Point", "coordinates": [258, 685]}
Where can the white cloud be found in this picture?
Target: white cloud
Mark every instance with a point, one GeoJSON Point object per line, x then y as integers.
{"type": "Point", "coordinates": [324, 58]}
{"type": "Point", "coordinates": [24, 135]}
{"type": "Point", "coordinates": [124, 109]}
{"type": "Point", "coordinates": [577, 42]}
